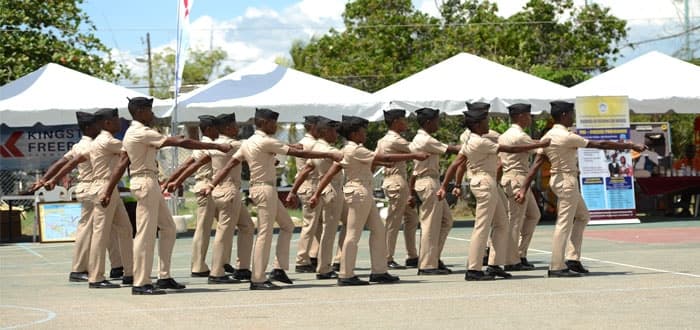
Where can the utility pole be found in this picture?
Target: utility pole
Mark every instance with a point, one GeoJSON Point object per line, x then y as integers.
{"type": "Point", "coordinates": [150, 66]}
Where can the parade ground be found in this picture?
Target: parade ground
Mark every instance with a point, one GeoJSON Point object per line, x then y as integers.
{"type": "Point", "coordinates": [643, 276]}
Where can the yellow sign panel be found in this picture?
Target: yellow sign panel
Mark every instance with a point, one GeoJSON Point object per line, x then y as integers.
{"type": "Point", "coordinates": [602, 112]}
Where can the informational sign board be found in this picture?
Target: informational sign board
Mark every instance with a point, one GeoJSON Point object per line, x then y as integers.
{"type": "Point", "coordinates": [607, 176]}
{"type": "Point", "coordinates": [36, 147]}
{"type": "Point", "coordinates": [58, 222]}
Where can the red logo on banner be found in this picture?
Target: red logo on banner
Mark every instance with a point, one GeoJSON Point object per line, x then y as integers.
{"type": "Point", "coordinates": [9, 149]}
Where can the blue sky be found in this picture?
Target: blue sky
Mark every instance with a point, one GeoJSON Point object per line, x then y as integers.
{"type": "Point", "coordinates": [253, 30]}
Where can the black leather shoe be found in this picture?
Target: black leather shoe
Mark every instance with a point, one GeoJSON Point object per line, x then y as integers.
{"type": "Point", "coordinates": [200, 274]}
{"type": "Point", "coordinates": [267, 285]}
{"type": "Point", "coordinates": [477, 275]}
{"type": "Point", "coordinates": [518, 267]}
{"type": "Point", "coordinates": [412, 263]}
{"type": "Point", "coordinates": [433, 271]}
{"type": "Point", "coordinates": [393, 265]}
{"type": "Point", "coordinates": [127, 280]}
{"type": "Point", "coordinates": [147, 289]}
{"type": "Point", "coordinates": [383, 278]}
{"type": "Point", "coordinates": [327, 276]}
{"type": "Point", "coordinates": [280, 276]}
{"type": "Point", "coordinates": [351, 281]}
{"type": "Point", "coordinates": [336, 266]}
{"type": "Point", "coordinates": [576, 266]}
{"type": "Point", "coordinates": [104, 285]}
{"type": "Point", "coordinates": [314, 262]}
{"type": "Point", "coordinates": [169, 283]}
{"type": "Point", "coordinates": [78, 277]}
{"type": "Point", "coordinates": [526, 263]}
{"type": "Point", "coordinates": [305, 269]}
{"type": "Point", "coordinates": [562, 273]}
{"type": "Point", "coordinates": [116, 272]}
{"type": "Point", "coordinates": [441, 266]}
{"type": "Point", "coordinates": [497, 271]}
{"type": "Point", "coordinates": [229, 269]}
{"type": "Point", "coordinates": [226, 279]}
{"type": "Point", "coordinates": [242, 274]}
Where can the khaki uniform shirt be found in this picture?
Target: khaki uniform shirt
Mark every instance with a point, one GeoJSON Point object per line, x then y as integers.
{"type": "Point", "coordinates": [515, 163]}
{"type": "Point", "coordinates": [393, 143]}
{"type": "Point", "coordinates": [104, 155]}
{"type": "Point", "coordinates": [562, 151]}
{"type": "Point", "coordinates": [307, 142]}
{"type": "Point", "coordinates": [81, 148]}
{"type": "Point", "coordinates": [423, 142]}
{"type": "Point", "coordinates": [141, 144]}
{"type": "Point", "coordinates": [204, 172]}
{"type": "Point", "coordinates": [259, 151]}
{"type": "Point", "coordinates": [357, 163]}
{"type": "Point", "coordinates": [220, 159]}
{"type": "Point", "coordinates": [482, 154]}
{"type": "Point", "coordinates": [323, 165]}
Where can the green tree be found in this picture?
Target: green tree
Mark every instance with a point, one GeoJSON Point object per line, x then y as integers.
{"type": "Point", "coordinates": [199, 68]}
{"type": "Point", "coordinates": [35, 33]}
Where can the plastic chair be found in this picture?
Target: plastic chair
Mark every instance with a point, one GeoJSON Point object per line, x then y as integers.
{"type": "Point", "coordinates": [57, 194]}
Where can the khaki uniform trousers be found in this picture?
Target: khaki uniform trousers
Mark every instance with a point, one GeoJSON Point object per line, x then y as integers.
{"type": "Point", "coordinates": [331, 209]}
{"type": "Point", "coordinates": [270, 210]}
{"type": "Point", "coordinates": [435, 222]}
{"type": "Point", "coordinates": [362, 211]}
{"type": "Point", "coordinates": [105, 220]}
{"type": "Point", "coordinates": [490, 217]}
{"type": "Point", "coordinates": [243, 218]}
{"type": "Point", "coordinates": [83, 233]}
{"type": "Point", "coordinates": [152, 214]}
{"type": "Point", "coordinates": [523, 218]}
{"type": "Point", "coordinates": [202, 231]}
{"type": "Point", "coordinates": [343, 231]}
{"type": "Point", "coordinates": [572, 218]}
{"type": "Point", "coordinates": [309, 229]}
{"type": "Point", "coordinates": [396, 190]}
{"type": "Point", "coordinates": [228, 205]}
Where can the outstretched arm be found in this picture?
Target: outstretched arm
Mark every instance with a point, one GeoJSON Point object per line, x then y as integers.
{"type": "Point", "coordinates": [453, 149]}
{"type": "Point", "coordinates": [55, 167]}
{"type": "Point", "coordinates": [335, 156]}
{"type": "Point", "coordinates": [67, 167]}
{"type": "Point", "coordinates": [539, 160]}
{"type": "Point", "coordinates": [335, 168]}
{"type": "Point", "coordinates": [176, 181]}
{"type": "Point", "coordinates": [301, 177]}
{"type": "Point", "coordinates": [175, 175]}
{"type": "Point", "coordinates": [114, 179]}
{"type": "Point", "coordinates": [180, 141]}
{"type": "Point", "coordinates": [523, 147]}
{"type": "Point", "coordinates": [220, 175]}
{"type": "Point", "coordinates": [392, 158]}
{"type": "Point", "coordinates": [612, 145]}
{"type": "Point", "coordinates": [450, 173]}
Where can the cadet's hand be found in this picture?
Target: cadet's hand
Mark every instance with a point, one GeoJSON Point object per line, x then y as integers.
{"type": "Point", "coordinates": [171, 186]}
{"type": "Point", "coordinates": [313, 201]}
{"type": "Point", "coordinates": [104, 199]}
{"type": "Point", "coordinates": [296, 146]}
{"type": "Point", "coordinates": [411, 200]}
{"type": "Point", "coordinates": [457, 191]}
{"type": "Point", "coordinates": [291, 200]}
{"type": "Point", "coordinates": [225, 147]}
{"type": "Point", "coordinates": [36, 186]}
{"type": "Point", "coordinates": [545, 142]}
{"type": "Point", "coordinates": [205, 191]}
{"type": "Point", "coordinates": [640, 147]}
{"type": "Point", "coordinates": [336, 156]}
{"type": "Point", "coordinates": [520, 195]}
{"type": "Point", "coordinates": [421, 156]}
{"type": "Point", "coordinates": [441, 194]}
{"type": "Point", "coordinates": [49, 185]}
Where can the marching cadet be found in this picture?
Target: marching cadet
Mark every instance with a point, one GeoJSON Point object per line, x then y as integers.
{"type": "Point", "coordinates": [357, 162]}
{"type": "Point", "coordinates": [205, 204]}
{"type": "Point", "coordinates": [435, 216]}
{"type": "Point", "coordinates": [490, 212]}
{"type": "Point", "coordinates": [259, 151]}
{"type": "Point", "coordinates": [331, 203]}
{"type": "Point", "coordinates": [103, 154]}
{"type": "Point", "coordinates": [81, 250]}
{"type": "Point", "coordinates": [141, 143]}
{"type": "Point", "coordinates": [572, 214]}
{"type": "Point", "coordinates": [395, 185]}
{"type": "Point", "coordinates": [523, 217]}
{"type": "Point", "coordinates": [305, 264]}
{"type": "Point", "coordinates": [229, 209]}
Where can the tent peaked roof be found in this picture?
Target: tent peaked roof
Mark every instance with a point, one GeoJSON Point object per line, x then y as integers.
{"type": "Point", "coordinates": [466, 77]}
{"type": "Point", "coordinates": [53, 93]}
{"type": "Point", "coordinates": [654, 82]}
{"type": "Point", "coordinates": [263, 84]}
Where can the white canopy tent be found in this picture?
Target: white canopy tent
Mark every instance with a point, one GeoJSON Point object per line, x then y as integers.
{"type": "Point", "coordinates": [292, 93]}
{"type": "Point", "coordinates": [466, 77]}
{"type": "Point", "coordinates": [52, 94]}
{"type": "Point", "coordinates": [654, 83]}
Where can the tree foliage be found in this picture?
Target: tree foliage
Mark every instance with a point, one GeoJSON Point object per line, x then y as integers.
{"type": "Point", "coordinates": [35, 33]}
{"type": "Point", "coordinates": [200, 66]}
